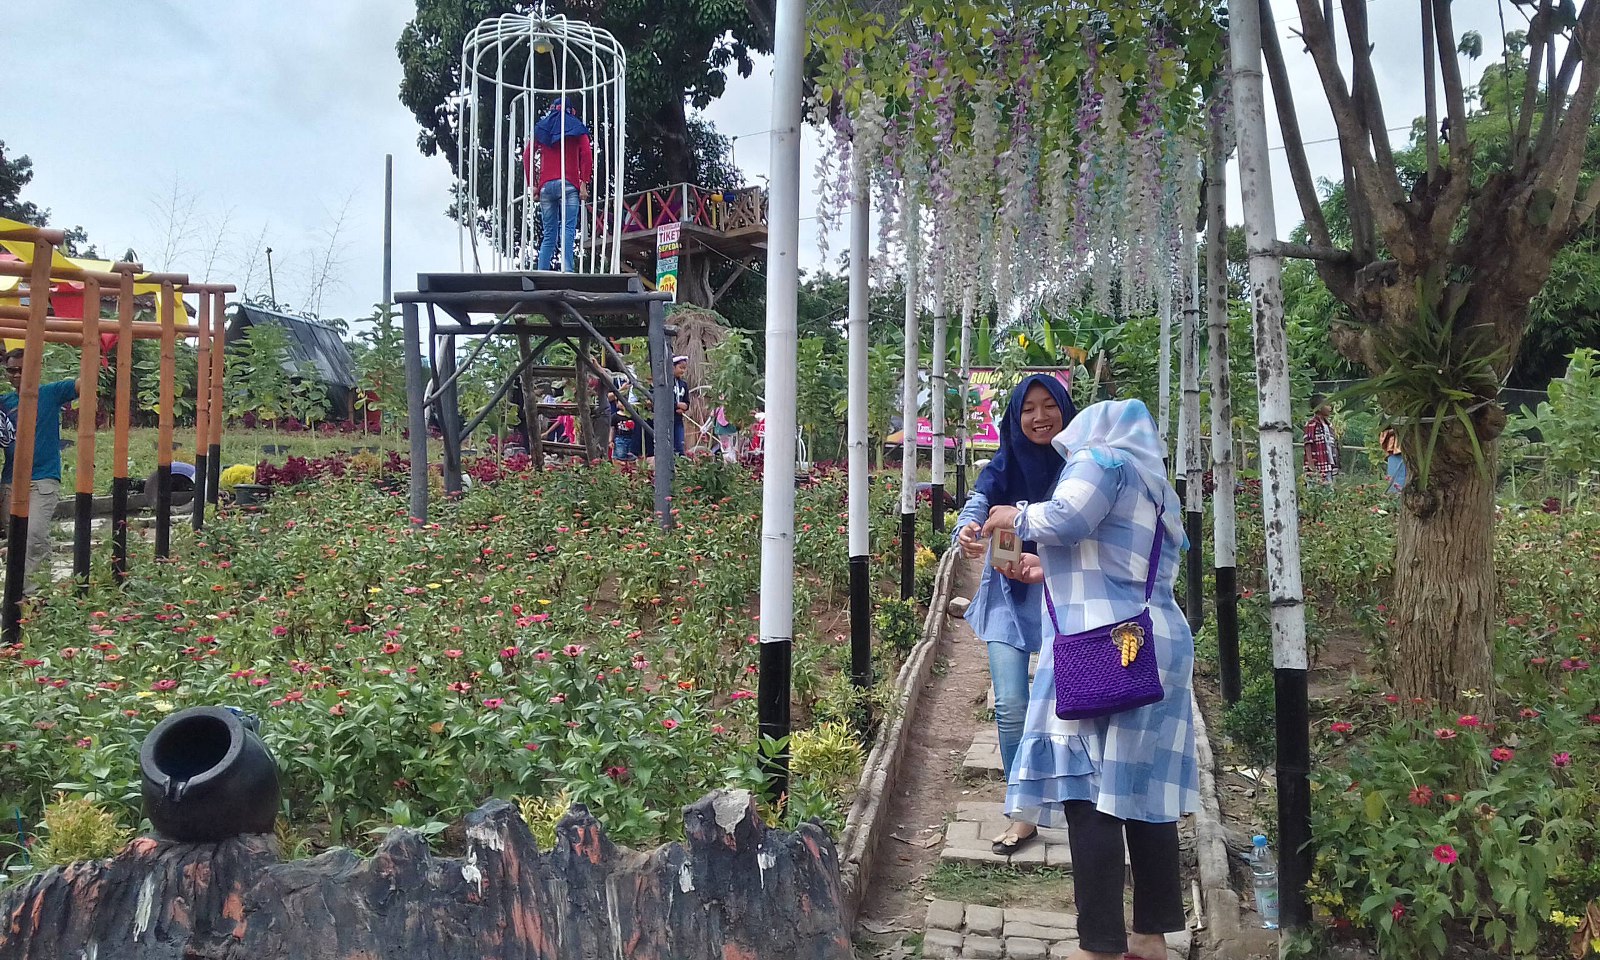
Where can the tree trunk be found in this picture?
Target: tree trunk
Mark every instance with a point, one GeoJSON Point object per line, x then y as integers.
{"type": "Point", "coordinates": [694, 279]}
{"type": "Point", "coordinates": [1445, 588]}
{"type": "Point", "coordinates": [671, 128]}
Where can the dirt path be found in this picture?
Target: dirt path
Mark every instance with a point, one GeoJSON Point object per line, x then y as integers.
{"type": "Point", "coordinates": [930, 780]}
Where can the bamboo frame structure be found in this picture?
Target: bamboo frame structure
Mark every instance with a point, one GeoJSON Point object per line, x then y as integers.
{"type": "Point", "coordinates": [38, 327]}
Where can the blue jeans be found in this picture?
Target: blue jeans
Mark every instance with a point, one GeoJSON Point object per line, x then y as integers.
{"type": "Point", "coordinates": [1008, 668]}
{"type": "Point", "coordinates": [627, 447]}
{"type": "Point", "coordinates": [677, 437]}
{"type": "Point", "coordinates": [560, 209]}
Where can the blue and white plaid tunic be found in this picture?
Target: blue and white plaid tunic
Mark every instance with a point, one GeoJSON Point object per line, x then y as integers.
{"type": "Point", "coordinates": [1094, 539]}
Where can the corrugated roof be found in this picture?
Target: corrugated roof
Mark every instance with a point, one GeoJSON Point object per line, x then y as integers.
{"type": "Point", "coordinates": [312, 345]}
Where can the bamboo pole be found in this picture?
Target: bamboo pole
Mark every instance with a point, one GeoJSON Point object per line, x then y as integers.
{"type": "Point", "coordinates": [22, 453]}
{"type": "Point", "coordinates": [119, 427]}
{"type": "Point", "coordinates": [783, 294]}
{"type": "Point", "coordinates": [202, 413]}
{"type": "Point", "coordinates": [1190, 453]}
{"type": "Point", "coordinates": [908, 409]}
{"type": "Point", "coordinates": [219, 412]}
{"type": "Point", "coordinates": [88, 401]}
{"type": "Point", "coordinates": [164, 424]}
{"type": "Point", "coordinates": [936, 384]}
{"type": "Point", "coordinates": [73, 327]}
{"type": "Point", "coordinates": [856, 417]}
{"type": "Point", "coordinates": [969, 298]}
{"type": "Point", "coordinates": [1280, 505]}
{"type": "Point", "coordinates": [1164, 377]}
{"type": "Point", "coordinates": [1223, 471]}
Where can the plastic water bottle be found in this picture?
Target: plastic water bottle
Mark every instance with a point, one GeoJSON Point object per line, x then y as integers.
{"type": "Point", "coordinates": [1264, 871]}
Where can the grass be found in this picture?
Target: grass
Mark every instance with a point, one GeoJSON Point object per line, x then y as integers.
{"type": "Point", "coordinates": [1044, 889]}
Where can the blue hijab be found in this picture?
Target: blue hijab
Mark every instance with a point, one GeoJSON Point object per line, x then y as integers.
{"type": "Point", "coordinates": [559, 124]}
{"type": "Point", "coordinates": [1024, 470]}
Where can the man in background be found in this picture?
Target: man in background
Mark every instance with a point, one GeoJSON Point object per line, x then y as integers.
{"type": "Point", "coordinates": [46, 479]}
{"type": "Point", "coordinates": [559, 165]}
{"type": "Point", "coordinates": [1321, 443]}
{"type": "Point", "coordinates": [680, 400]}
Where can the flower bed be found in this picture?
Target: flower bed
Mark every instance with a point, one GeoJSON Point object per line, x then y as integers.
{"type": "Point", "coordinates": [544, 639]}
{"type": "Point", "coordinates": [1457, 829]}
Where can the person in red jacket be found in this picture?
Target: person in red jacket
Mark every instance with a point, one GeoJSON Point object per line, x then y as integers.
{"type": "Point", "coordinates": [559, 164]}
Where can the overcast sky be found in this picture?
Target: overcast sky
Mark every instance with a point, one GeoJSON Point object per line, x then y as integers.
{"type": "Point", "coordinates": [251, 125]}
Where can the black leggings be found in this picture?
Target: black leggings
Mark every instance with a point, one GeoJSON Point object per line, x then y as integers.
{"type": "Point", "coordinates": [1098, 877]}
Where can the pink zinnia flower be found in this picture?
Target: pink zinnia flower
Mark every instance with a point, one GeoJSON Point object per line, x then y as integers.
{"type": "Point", "coordinates": [1502, 754]}
{"type": "Point", "coordinates": [1340, 726]}
{"type": "Point", "coordinates": [1562, 759]}
{"type": "Point", "coordinates": [1469, 720]}
{"type": "Point", "coordinates": [280, 631]}
{"type": "Point", "coordinates": [741, 695]}
{"type": "Point", "coordinates": [1445, 733]}
{"type": "Point", "coordinates": [509, 652]}
{"type": "Point", "coordinates": [1445, 854]}
{"type": "Point", "coordinates": [453, 654]}
{"type": "Point", "coordinates": [164, 685]}
{"type": "Point", "coordinates": [670, 723]}
{"type": "Point", "coordinates": [493, 703]}
{"type": "Point", "coordinates": [572, 650]}
{"type": "Point", "coordinates": [1421, 796]}
{"type": "Point", "coordinates": [1528, 713]}
{"type": "Point", "coordinates": [1397, 911]}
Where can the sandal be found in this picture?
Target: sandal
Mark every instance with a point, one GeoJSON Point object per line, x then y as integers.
{"type": "Point", "coordinates": [1009, 843]}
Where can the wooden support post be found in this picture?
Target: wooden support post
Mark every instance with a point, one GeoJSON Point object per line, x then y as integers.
{"type": "Point", "coordinates": [88, 408]}
{"type": "Point", "coordinates": [661, 387]}
{"type": "Point", "coordinates": [219, 413]}
{"type": "Point", "coordinates": [119, 427]}
{"type": "Point", "coordinates": [449, 407]}
{"type": "Point", "coordinates": [164, 422]}
{"type": "Point", "coordinates": [202, 412]}
{"type": "Point", "coordinates": [22, 453]}
{"type": "Point", "coordinates": [529, 411]}
{"type": "Point", "coordinates": [416, 411]}
{"type": "Point", "coordinates": [586, 416]}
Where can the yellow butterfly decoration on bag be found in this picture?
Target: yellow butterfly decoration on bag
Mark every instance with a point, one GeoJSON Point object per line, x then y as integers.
{"type": "Point", "coordinates": [1129, 638]}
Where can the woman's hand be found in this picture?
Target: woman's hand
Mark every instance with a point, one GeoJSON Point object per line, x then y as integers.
{"type": "Point", "coordinates": [968, 540]}
{"type": "Point", "coordinates": [1030, 569]}
{"type": "Point", "coordinates": [1000, 518]}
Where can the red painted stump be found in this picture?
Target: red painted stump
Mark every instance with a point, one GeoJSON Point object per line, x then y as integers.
{"type": "Point", "coordinates": [734, 890]}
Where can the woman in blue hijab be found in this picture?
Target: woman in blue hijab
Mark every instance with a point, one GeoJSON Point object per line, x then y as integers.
{"type": "Point", "coordinates": [1005, 613]}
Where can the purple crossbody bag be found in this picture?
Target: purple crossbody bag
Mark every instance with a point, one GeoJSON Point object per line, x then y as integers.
{"type": "Point", "coordinates": [1112, 668]}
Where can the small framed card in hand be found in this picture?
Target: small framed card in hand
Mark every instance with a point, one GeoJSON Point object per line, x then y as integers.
{"type": "Point", "coordinates": [1005, 549]}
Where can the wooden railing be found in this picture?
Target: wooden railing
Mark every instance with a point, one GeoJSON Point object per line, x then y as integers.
{"type": "Point", "coordinates": [721, 210]}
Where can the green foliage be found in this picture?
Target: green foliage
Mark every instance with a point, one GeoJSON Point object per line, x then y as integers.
{"type": "Point", "coordinates": [736, 381]}
{"type": "Point", "coordinates": [828, 754]}
{"type": "Point", "coordinates": [380, 365]}
{"type": "Point", "coordinates": [256, 379]}
{"type": "Point", "coordinates": [1568, 424]}
{"type": "Point", "coordinates": [77, 828]}
{"type": "Point", "coordinates": [897, 624]}
{"type": "Point", "coordinates": [1434, 376]}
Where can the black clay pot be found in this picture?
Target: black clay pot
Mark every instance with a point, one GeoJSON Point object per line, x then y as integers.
{"type": "Point", "coordinates": [251, 494]}
{"type": "Point", "coordinates": [208, 777]}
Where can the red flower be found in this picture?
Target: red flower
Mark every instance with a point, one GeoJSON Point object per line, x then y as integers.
{"type": "Point", "coordinates": [1502, 754]}
{"type": "Point", "coordinates": [1421, 796]}
{"type": "Point", "coordinates": [530, 746]}
{"type": "Point", "coordinates": [162, 686]}
{"type": "Point", "coordinates": [452, 654]}
{"type": "Point", "coordinates": [509, 652]}
{"type": "Point", "coordinates": [1468, 720]}
{"type": "Point", "coordinates": [1561, 760]}
{"type": "Point", "coordinates": [280, 631]}
{"type": "Point", "coordinates": [1452, 798]}
{"type": "Point", "coordinates": [1340, 726]}
{"type": "Point", "coordinates": [616, 773]}
{"type": "Point", "coordinates": [493, 703]}
{"type": "Point", "coordinates": [1445, 854]}
{"type": "Point", "coordinates": [459, 686]}
{"type": "Point", "coordinates": [670, 723]}
{"type": "Point", "coordinates": [1528, 713]}
{"type": "Point", "coordinates": [391, 648]}
{"type": "Point", "coordinates": [1397, 911]}
{"type": "Point", "coordinates": [741, 695]}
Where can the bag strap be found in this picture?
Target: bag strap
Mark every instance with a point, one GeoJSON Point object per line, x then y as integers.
{"type": "Point", "coordinates": [1153, 561]}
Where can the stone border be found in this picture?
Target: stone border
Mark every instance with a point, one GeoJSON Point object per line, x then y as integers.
{"type": "Point", "coordinates": [858, 844]}
{"type": "Point", "coordinates": [1219, 909]}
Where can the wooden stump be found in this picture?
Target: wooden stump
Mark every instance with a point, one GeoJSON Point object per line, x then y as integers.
{"type": "Point", "coordinates": [734, 890]}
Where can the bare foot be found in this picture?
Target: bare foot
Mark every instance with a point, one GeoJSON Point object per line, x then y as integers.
{"type": "Point", "coordinates": [1147, 946]}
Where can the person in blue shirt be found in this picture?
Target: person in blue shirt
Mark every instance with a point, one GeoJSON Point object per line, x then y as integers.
{"type": "Point", "coordinates": [46, 459]}
{"type": "Point", "coordinates": [1005, 613]}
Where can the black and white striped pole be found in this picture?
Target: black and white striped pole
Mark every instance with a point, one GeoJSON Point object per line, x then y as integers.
{"type": "Point", "coordinates": [857, 425]}
{"type": "Point", "coordinates": [1223, 544]}
{"type": "Point", "coordinates": [908, 408]}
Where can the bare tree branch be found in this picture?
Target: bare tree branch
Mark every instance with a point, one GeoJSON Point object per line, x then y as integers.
{"type": "Point", "coordinates": [1556, 98]}
{"type": "Point", "coordinates": [1380, 185]}
{"type": "Point", "coordinates": [1294, 149]}
{"type": "Point", "coordinates": [1430, 92]}
{"type": "Point", "coordinates": [325, 266]}
{"type": "Point", "coordinates": [1325, 254]}
{"type": "Point", "coordinates": [1366, 84]}
{"type": "Point", "coordinates": [1560, 174]}
{"type": "Point", "coordinates": [1455, 94]}
{"type": "Point", "coordinates": [173, 217]}
{"type": "Point", "coordinates": [249, 263]}
{"type": "Point", "coordinates": [218, 234]}
{"type": "Point", "coordinates": [1538, 36]}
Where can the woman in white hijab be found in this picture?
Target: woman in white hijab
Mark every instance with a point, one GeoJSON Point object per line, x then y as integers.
{"type": "Point", "coordinates": [1119, 781]}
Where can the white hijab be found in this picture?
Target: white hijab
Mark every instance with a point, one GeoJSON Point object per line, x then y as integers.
{"type": "Point", "coordinates": [1121, 433]}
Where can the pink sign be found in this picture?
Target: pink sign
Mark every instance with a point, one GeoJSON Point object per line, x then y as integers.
{"type": "Point", "coordinates": [985, 429]}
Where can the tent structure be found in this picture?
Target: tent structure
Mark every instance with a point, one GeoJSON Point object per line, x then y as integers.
{"type": "Point", "coordinates": [316, 351]}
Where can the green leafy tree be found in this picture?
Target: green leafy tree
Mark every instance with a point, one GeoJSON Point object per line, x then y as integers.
{"type": "Point", "coordinates": [16, 172]}
{"type": "Point", "coordinates": [256, 379]}
{"type": "Point", "coordinates": [1568, 424]}
{"type": "Point", "coordinates": [380, 366]}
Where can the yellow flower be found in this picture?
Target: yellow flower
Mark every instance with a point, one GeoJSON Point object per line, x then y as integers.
{"type": "Point", "coordinates": [1564, 920]}
{"type": "Point", "coordinates": [374, 589]}
{"type": "Point", "coordinates": [162, 706]}
{"type": "Point", "coordinates": [543, 602]}
{"type": "Point", "coordinates": [142, 694]}
{"type": "Point", "coordinates": [434, 586]}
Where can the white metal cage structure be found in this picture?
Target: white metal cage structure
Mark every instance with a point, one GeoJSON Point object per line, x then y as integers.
{"type": "Point", "coordinates": [513, 67]}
